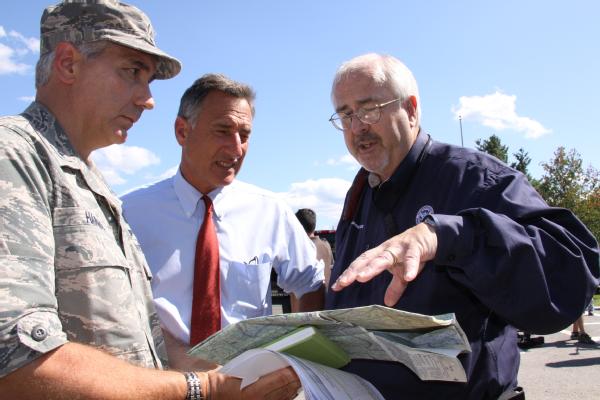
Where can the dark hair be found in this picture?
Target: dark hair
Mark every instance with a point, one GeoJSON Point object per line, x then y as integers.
{"type": "Point", "coordinates": [195, 94]}
{"type": "Point", "coordinates": [307, 218]}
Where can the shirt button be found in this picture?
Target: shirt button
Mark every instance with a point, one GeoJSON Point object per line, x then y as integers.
{"type": "Point", "coordinates": [39, 333]}
{"type": "Point", "coordinates": [451, 257]}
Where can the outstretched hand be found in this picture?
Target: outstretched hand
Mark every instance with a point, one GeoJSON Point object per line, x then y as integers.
{"type": "Point", "coordinates": [403, 255]}
{"type": "Point", "coordinates": [282, 384]}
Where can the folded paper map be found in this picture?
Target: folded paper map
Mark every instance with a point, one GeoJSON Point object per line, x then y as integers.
{"type": "Point", "coordinates": [428, 345]}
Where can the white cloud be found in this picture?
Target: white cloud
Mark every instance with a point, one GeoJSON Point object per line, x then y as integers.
{"type": "Point", "coordinates": [27, 99]}
{"type": "Point", "coordinates": [113, 161]}
{"type": "Point", "coordinates": [112, 176]}
{"type": "Point", "coordinates": [168, 173]}
{"type": "Point", "coordinates": [343, 161]}
{"type": "Point", "coordinates": [498, 111]}
{"type": "Point", "coordinates": [32, 44]}
{"type": "Point", "coordinates": [12, 51]}
{"type": "Point", "coordinates": [7, 63]}
{"type": "Point", "coordinates": [149, 179]}
{"type": "Point", "coordinates": [325, 196]}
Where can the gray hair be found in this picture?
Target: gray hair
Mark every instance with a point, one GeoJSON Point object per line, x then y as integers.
{"type": "Point", "coordinates": [191, 101]}
{"type": "Point", "coordinates": [384, 69]}
{"type": "Point", "coordinates": [43, 68]}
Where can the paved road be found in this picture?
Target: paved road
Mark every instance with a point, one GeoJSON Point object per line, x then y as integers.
{"type": "Point", "coordinates": [562, 369]}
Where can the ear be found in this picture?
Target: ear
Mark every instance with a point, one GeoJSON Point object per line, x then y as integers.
{"type": "Point", "coordinates": [182, 129]}
{"type": "Point", "coordinates": [413, 115]}
{"type": "Point", "coordinates": [66, 62]}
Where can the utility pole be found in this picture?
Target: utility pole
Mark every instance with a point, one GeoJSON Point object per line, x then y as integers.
{"type": "Point", "coordinates": [461, 135]}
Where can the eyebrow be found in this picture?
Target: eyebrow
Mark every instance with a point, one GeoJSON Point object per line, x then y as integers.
{"type": "Point", "coordinates": [229, 123]}
{"type": "Point", "coordinates": [143, 66]}
{"type": "Point", "coordinates": [360, 102]}
{"type": "Point", "coordinates": [223, 124]}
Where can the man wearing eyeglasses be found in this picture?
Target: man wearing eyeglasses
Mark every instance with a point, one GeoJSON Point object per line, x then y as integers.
{"type": "Point", "coordinates": [433, 228]}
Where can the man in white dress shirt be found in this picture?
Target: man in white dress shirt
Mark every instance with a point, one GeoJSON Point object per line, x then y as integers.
{"type": "Point", "coordinates": [256, 231]}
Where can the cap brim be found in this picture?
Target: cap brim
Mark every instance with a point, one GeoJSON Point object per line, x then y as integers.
{"type": "Point", "coordinates": [166, 67]}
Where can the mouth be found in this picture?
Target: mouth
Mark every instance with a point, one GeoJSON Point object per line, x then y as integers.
{"type": "Point", "coordinates": [364, 146]}
{"type": "Point", "coordinates": [366, 143]}
{"type": "Point", "coordinates": [126, 123]}
{"type": "Point", "coordinates": [227, 164]}
{"type": "Point", "coordinates": [131, 119]}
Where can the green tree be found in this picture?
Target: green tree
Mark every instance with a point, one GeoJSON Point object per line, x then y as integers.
{"type": "Point", "coordinates": [589, 212]}
{"type": "Point", "coordinates": [493, 146]}
{"type": "Point", "coordinates": [562, 182]}
{"type": "Point", "coordinates": [566, 184]}
{"type": "Point", "coordinates": [522, 161]}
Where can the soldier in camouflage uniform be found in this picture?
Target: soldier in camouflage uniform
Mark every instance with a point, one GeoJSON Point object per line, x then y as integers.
{"type": "Point", "coordinates": [75, 298]}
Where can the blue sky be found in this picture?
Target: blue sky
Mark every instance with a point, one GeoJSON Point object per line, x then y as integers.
{"type": "Point", "coordinates": [527, 71]}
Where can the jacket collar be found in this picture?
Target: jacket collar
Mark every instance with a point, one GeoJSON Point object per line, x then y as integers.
{"type": "Point", "coordinates": [386, 194]}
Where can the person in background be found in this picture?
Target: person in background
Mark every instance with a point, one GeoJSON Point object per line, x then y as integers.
{"type": "Point", "coordinates": [590, 308]}
{"type": "Point", "coordinates": [308, 220]}
{"type": "Point", "coordinates": [578, 332]}
{"type": "Point", "coordinates": [253, 231]}
{"type": "Point", "coordinates": [76, 313]}
{"type": "Point", "coordinates": [434, 228]}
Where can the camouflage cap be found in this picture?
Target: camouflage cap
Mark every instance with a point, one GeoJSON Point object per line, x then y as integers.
{"type": "Point", "coordinates": [82, 21]}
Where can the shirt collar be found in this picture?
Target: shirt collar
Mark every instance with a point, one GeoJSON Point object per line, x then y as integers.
{"type": "Point", "coordinates": [387, 194]}
{"type": "Point", "coordinates": [44, 122]}
{"type": "Point", "coordinates": [190, 198]}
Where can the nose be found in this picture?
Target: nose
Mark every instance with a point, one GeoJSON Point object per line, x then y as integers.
{"type": "Point", "coordinates": [144, 98]}
{"type": "Point", "coordinates": [357, 126]}
{"type": "Point", "coordinates": [236, 145]}
{"type": "Point", "coordinates": [149, 104]}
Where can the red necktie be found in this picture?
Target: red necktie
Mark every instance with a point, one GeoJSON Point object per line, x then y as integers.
{"type": "Point", "coordinates": [206, 303]}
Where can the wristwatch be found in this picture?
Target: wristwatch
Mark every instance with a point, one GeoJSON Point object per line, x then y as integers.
{"type": "Point", "coordinates": [194, 387]}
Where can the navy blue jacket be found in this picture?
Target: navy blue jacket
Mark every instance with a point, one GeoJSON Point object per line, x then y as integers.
{"type": "Point", "coordinates": [505, 259]}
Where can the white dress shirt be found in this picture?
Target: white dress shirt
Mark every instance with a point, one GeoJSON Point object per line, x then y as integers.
{"type": "Point", "coordinates": [256, 232]}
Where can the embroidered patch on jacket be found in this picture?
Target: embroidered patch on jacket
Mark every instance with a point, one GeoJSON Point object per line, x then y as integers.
{"type": "Point", "coordinates": [422, 213]}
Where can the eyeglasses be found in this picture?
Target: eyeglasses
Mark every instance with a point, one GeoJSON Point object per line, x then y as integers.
{"type": "Point", "coordinates": [367, 115]}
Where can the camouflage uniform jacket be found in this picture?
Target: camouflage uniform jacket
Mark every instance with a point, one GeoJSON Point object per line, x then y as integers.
{"type": "Point", "coordinates": [70, 267]}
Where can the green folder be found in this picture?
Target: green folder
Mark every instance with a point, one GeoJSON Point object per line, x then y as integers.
{"type": "Point", "coordinates": [308, 343]}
